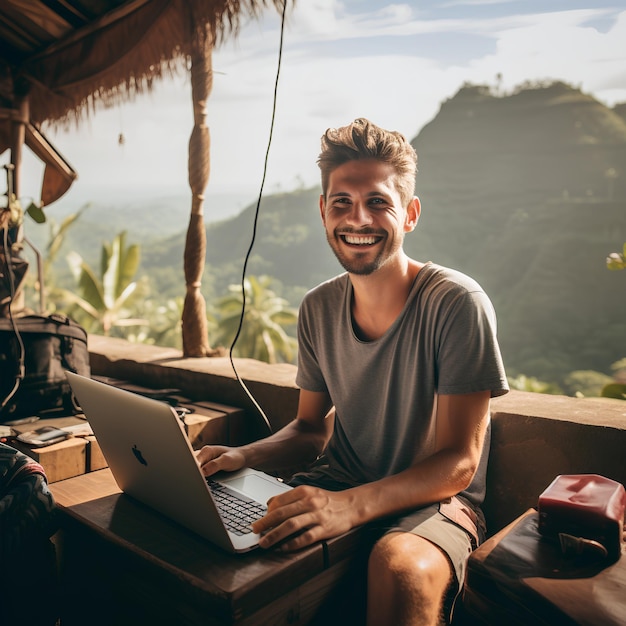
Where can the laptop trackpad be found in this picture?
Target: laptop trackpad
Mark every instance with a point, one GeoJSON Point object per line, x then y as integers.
{"type": "Point", "coordinates": [255, 487]}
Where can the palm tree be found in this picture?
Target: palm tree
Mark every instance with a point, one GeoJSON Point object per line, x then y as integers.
{"type": "Point", "coordinates": [262, 335]}
{"type": "Point", "coordinates": [104, 299]}
{"type": "Point", "coordinates": [163, 322]}
{"type": "Point", "coordinates": [49, 294]}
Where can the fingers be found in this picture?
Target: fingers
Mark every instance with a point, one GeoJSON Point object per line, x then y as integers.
{"type": "Point", "coordinates": [206, 453]}
{"type": "Point", "coordinates": [211, 467]}
{"type": "Point", "coordinates": [277, 516]}
{"type": "Point", "coordinates": [213, 459]}
{"type": "Point", "coordinates": [294, 520]}
{"type": "Point", "coordinates": [284, 538]}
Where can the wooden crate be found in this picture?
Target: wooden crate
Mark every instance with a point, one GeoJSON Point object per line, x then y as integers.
{"type": "Point", "coordinates": [62, 460]}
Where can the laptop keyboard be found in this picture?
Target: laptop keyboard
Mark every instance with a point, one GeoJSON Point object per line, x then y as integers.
{"type": "Point", "coordinates": [237, 511]}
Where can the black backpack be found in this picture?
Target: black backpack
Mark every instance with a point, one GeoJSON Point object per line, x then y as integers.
{"type": "Point", "coordinates": [35, 352]}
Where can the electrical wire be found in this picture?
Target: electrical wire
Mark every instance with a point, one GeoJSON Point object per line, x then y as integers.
{"type": "Point", "coordinates": [21, 357]}
{"type": "Point", "coordinates": [256, 219]}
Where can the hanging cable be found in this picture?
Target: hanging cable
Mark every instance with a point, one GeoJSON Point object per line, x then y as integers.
{"type": "Point", "coordinates": [21, 350]}
{"type": "Point", "coordinates": [256, 219]}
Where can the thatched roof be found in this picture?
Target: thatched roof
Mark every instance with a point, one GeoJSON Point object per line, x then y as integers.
{"type": "Point", "coordinates": [68, 56]}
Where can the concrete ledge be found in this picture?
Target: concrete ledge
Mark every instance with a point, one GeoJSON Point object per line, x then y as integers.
{"type": "Point", "coordinates": [272, 386]}
{"type": "Point", "coordinates": [536, 437]}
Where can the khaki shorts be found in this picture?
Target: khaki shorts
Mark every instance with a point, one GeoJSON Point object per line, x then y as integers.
{"type": "Point", "coordinates": [453, 525]}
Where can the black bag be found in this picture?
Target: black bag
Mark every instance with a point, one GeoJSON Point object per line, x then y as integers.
{"type": "Point", "coordinates": [51, 345]}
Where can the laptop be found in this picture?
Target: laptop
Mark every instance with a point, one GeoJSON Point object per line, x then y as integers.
{"type": "Point", "coordinates": [151, 459]}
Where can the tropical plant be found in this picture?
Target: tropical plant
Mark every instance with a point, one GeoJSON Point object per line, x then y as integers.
{"type": "Point", "coordinates": [262, 335]}
{"type": "Point", "coordinates": [50, 295]}
{"type": "Point", "coordinates": [163, 323]}
{"type": "Point", "coordinates": [530, 383]}
{"type": "Point", "coordinates": [585, 383]}
{"type": "Point", "coordinates": [617, 388]}
{"type": "Point", "coordinates": [103, 302]}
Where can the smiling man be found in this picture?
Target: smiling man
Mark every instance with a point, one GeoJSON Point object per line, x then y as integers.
{"type": "Point", "coordinates": [397, 362]}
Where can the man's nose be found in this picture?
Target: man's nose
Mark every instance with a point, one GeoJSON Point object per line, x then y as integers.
{"type": "Point", "coordinates": [359, 215]}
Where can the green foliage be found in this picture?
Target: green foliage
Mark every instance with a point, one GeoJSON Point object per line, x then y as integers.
{"type": "Point", "coordinates": [163, 323]}
{"type": "Point", "coordinates": [263, 335]}
{"type": "Point", "coordinates": [57, 234]}
{"type": "Point", "coordinates": [15, 215]}
{"type": "Point", "coordinates": [103, 300]}
{"type": "Point", "coordinates": [53, 294]}
{"type": "Point", "coordinates": [530, 383]}
{"type": "Point", "coordinates": [614, 390]}
{"type": "Point", "coordinates": [617, 260]}
{"type": "Point", "coordinates": [585, 383]}
{"type": "Point", "coordinates": [35, 211]}
{"type": "Point", "coordinates": [619, 368]}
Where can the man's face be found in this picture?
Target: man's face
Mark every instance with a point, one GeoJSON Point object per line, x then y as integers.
{"type": "Point", "coordinates": [363, 215]}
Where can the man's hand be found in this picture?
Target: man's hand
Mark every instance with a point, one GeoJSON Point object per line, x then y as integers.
{"type": "Point", "coordinates": [213, 459]}
{"type": "Point", "coordinates": [305, 515]}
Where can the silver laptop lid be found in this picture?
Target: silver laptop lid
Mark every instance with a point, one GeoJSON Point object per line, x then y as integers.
{"type": "Point", "coordinates": [151, 458]}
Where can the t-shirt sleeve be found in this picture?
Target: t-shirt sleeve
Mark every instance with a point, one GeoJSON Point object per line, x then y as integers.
{"type": "Point", "coordinates": [469, 358]}
{"type": "Point", "coordinates": [309, 375]}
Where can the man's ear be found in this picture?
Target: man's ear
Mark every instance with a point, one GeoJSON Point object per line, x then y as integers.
{"type": "Point", "coordinates": [323, 209]}
{"type": "Point", "coordinates": [413, 211]}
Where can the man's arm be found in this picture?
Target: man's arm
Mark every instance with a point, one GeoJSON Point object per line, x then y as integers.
{"type": "Point", "coordinates": [300, 441]}
{"type": "Point", "coordinates": [461, 426]}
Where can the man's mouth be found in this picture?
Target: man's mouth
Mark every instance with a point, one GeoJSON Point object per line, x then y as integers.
{"type": "Point", "coordinates": [360, 240]}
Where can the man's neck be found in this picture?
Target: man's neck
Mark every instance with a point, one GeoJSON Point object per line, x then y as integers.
{"type": "Point", "coordinates": [379, 298]}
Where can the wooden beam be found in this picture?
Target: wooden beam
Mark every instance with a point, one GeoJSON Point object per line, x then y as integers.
{"type": "Point", "coordinates": [92, 27]}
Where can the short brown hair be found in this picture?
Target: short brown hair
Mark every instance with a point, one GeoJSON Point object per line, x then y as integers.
{"type": "Point", "coordinates": [364, 140]}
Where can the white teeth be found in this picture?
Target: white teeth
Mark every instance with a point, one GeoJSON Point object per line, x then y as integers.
{"type": "Point", "coordinates": [360, 240]}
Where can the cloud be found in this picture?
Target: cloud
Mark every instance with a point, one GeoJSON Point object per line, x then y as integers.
{"type": "Point", "coordinates": [561, 46]}
{"type": "Point", "coordinates": [393, 63]}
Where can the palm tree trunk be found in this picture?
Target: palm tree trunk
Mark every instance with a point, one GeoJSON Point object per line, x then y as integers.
{"type": "Point", "coordinates": [194, 322]}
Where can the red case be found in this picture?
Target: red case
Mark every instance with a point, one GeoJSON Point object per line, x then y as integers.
{"type": "Point", "coordinates": [587, 506]}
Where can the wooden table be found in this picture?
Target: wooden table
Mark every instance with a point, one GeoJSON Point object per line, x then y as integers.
{"type": "Point", "coordinates": [123, 563]}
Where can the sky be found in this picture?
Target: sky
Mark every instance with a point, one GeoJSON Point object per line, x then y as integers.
{"type": "Point", "coordinates": [394, 63]}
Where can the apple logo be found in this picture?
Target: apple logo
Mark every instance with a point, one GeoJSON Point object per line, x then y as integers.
{"type": "Point", "coordinates": [138, 455]}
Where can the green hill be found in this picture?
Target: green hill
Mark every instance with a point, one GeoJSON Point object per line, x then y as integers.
{"type": "Point", "coordinates": [517, 192]}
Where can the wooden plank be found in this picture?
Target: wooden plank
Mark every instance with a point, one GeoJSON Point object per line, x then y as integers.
{"type": "Point", "coordinates": [68, 493]}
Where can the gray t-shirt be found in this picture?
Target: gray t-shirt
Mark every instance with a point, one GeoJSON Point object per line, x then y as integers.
{"type": "Point", "coordinates": [385, 391]}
